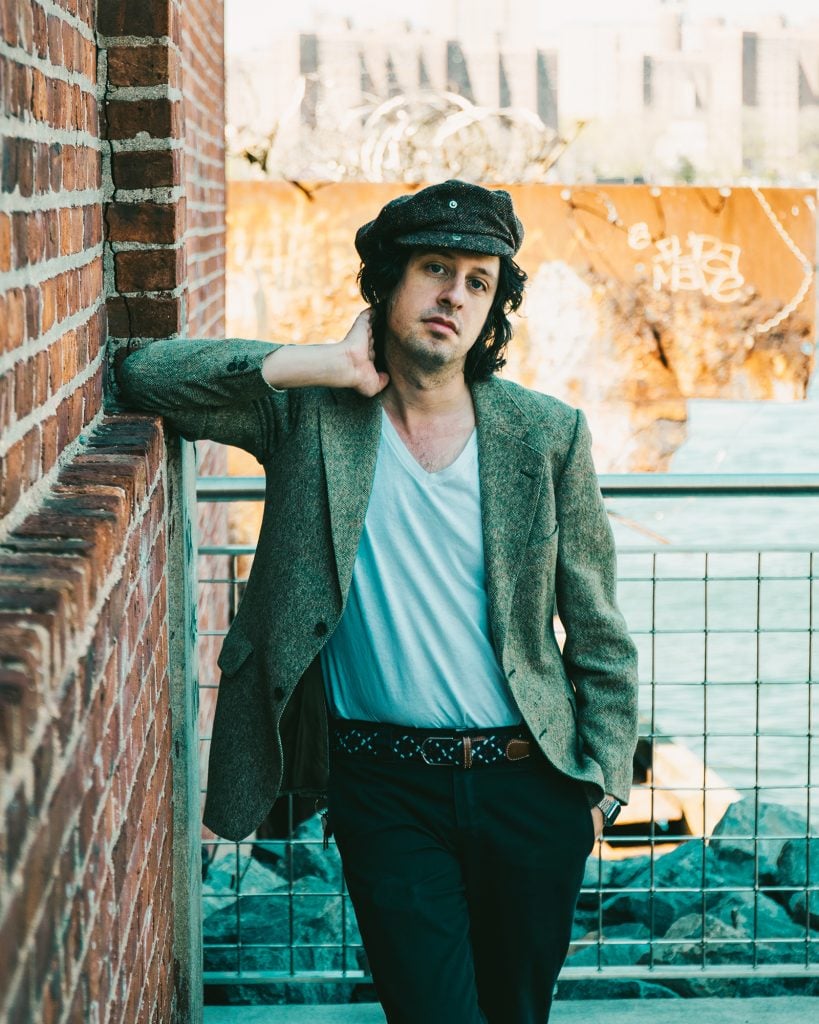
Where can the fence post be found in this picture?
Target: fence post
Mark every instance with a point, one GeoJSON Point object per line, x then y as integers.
{"type": "Point", "coordinates": [183, 668]}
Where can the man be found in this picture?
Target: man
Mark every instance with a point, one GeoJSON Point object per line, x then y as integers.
{"type": "Point", "coordinates": [422, 519]}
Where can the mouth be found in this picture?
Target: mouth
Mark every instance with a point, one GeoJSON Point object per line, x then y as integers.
{"type": "Point", "coordinates": [441, 321]}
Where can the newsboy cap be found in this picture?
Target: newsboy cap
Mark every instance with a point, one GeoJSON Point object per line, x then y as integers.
{"type": "Point", "coordinates": [452, 215]}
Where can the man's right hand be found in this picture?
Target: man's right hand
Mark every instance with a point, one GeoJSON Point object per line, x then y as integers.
{"type": "Point", "coordinates": [359, 348]}
{"type": "Point", "coordinates": [349, 363]}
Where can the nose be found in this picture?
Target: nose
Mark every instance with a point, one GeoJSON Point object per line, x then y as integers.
{"type": "Point", "coordinates": [453, 291]}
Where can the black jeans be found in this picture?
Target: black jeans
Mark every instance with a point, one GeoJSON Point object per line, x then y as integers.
{"type": "Point", "coordinates": [464, 882]}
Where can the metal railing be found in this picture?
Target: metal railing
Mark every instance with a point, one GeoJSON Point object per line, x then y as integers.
{"type": "Point", "coordinates": [712, 873]}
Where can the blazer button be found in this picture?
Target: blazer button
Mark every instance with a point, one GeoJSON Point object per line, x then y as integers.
{"type": "Point", "coordinates": [321, 629]}
{"type": "Point", "coordinates": [278, 693]}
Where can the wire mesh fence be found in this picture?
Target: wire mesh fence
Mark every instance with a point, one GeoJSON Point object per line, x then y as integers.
{"type": "Point", "coordinates": [712, 870]}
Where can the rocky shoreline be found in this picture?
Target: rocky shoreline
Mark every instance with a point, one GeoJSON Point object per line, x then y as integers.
{"type": "Point", "coordinates": [757, 898]}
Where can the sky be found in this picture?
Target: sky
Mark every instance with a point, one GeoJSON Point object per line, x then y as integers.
{"type": "Point", "coordinates": [250, 23]}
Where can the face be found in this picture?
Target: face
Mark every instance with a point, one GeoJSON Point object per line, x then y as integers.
{"type": "Point", "coordinates": [440, 307]}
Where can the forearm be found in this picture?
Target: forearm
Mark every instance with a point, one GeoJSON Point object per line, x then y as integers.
{"type": "Point", "coordinates": [207, 388]}
{"type": "Point", "coordinates": [304, 366]}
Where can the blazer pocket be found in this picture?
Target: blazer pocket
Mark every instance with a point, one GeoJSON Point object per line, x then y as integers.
{"type": "Point", "coordinates": [235, 651]}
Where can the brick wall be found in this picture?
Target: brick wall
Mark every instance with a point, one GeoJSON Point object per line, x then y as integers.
{"type": "Point", "coordinates": [106, 215]}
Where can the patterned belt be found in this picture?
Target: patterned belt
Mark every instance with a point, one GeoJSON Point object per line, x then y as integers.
{"type": "Point", "coordinates": [467, 749]}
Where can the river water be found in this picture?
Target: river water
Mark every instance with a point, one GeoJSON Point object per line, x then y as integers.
{"type": "Point", "coordinates": [707, 630]}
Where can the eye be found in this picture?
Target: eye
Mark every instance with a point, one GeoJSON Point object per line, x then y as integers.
{"type": "Point", "coordinates": [478, 284]}
{"type": "Point", "coordinates": [436, 268]}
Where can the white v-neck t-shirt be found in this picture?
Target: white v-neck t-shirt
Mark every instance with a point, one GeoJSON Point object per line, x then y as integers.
{"type": "Point", "coordinates": [413, 646]}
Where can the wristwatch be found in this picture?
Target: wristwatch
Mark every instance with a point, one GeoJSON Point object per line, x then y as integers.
{"type": "Point", "coordinates": [610, 807]}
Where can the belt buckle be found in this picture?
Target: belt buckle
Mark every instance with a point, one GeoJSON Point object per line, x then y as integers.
{"type": "Point", "coordinates": [434, 764]}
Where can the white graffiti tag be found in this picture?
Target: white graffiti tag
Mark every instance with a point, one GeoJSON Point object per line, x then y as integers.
{"type": "Point", "coordinates": [707, 265]}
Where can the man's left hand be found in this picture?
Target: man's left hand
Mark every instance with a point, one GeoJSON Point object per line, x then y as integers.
{"type": "Point", "coordinates": [597, 818]}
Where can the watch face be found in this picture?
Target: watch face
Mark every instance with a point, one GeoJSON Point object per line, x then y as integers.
{"type": "Point", "coordinates": [611, 815]}
{"type": "Point", "coordinates": [610, 808]}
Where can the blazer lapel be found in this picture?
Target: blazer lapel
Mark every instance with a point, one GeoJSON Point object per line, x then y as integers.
{"type": "Point", "coordinates": [510, 473]}
{"type": "Point", "coordinates": [350, 426]}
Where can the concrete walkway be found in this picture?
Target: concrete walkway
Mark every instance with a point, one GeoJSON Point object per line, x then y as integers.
{"type": "Point", "coordinates": [779, 1010]}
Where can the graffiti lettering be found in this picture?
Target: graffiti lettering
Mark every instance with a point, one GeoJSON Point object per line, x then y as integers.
{"type": "Point", "coordinates": [706, 264]}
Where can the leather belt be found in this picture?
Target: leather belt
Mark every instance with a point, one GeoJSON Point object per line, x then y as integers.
{"type": "Point", "coordinates": [460, 749]}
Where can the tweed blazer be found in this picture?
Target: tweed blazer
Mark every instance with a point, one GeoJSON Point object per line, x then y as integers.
{"type": "Point", "coordinates": [547, 542]}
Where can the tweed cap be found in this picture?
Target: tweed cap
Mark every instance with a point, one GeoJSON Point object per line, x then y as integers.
{"type": "Point", "coordinates": [452, 215]}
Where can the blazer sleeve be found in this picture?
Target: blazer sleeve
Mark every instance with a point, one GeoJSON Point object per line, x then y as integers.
{"type": "Point", "coordinates": [209, 389]}
{"type": "Point", "coordinates": [599, 654]}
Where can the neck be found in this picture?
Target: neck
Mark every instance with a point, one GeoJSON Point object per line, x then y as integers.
{"type": "Point", "coordinates": [414, 395]}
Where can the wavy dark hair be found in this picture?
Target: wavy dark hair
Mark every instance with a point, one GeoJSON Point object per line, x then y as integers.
{"type": "Point", "coordinates": [381, 273]}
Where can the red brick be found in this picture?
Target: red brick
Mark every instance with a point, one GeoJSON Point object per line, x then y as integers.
{"type": "Point", "coordinates": [42, 168]}
{"type": "Point", "coordinates": [32, 299]}
{"type": "Point", "coordinates": [5, 242]}
{"type": "Point", "coordinates": [91, 226]}
{"type": "Point", "coordinates": [149, 269]}
{"type": "Point", "coordinates": [40, 95]}
{"type": "Point", "coordinates": [11, 470]}
{"type": "Point", "coordinates": [55, 39]}
{"type": "Point", "coordinates": [77, 228]}
{"type": "Point", "coordinates": [71, 54]}
{"type": "Point", "coordinates": [40, 30]}
{"type": "Point", "coordinates": [153, 169]}
{"type": "Point", "coordinates": [15, 330]}
{"type": "Point", "coordinates": [145, 222]}
{"type": "Point", "coordinates": [7, 405]}
{"type": "Point", "coordinates": [48, 301]}
{"type": "Point", "coordinates": [140, 65]}
{"type": "Point", "coordinates": [51, 234]}
{"type": "Point", "coordinates": [134, 17]}
{"type": "Point", "coordinates": [40, 374]}
{"type": "Point", "coordinates": [50, 448]}
{"type": "Point", "coordinates": [19, 229]}
{"type": "Point", "coordinates": [144, 317]}
{"type": "Point", "coordinates": [23, 388]}
{"type": "Point", "coordinates": [160, 118]}
{"type": "Point", "coordinates": [55, 161]}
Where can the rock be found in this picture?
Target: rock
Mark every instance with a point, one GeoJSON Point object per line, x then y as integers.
{"type": "Point", "coordinates": [227, 870]}
{"type": "Point", "coordinates": [676, 877]}
{"type": "Point", "coordinates": [792, 865]}
{"type": "Point", "coordinates": [266, 929]}
{"type": "Point", "coordinates": [739, 909]}
{"type": "Point", "coordinates": [657, 911]}
{"type": "Point", "coordinates": [310, 857]}
{"type": "Point", "coordinates": [229, 873]}
{"type": "Point", "coordinates": [773, 824]}
{"type": "Point", "coordinates": [683, 942]}
{"type": "Point", "coordinates": [798, 871]}
{"type": "Point", "coordinates": [613, 988]}
{"type": "Point", "coordinates": [804, 908]}
{"type": "Point", "coordinates": [620, 944]}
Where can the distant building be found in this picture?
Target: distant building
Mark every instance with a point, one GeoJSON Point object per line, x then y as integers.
{"type": "Point", "coordinates": [659, 92]}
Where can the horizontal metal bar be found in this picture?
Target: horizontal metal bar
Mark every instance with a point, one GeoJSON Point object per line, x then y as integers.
{"type": "Point", "coordinates": [613, 485]}
{"type": "Point", "coordinates": [589, 973]}
{"type": "Point", "coordinates": [707, 485]}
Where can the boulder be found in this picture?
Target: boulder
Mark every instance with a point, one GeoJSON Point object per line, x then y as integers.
{"type": "Point", "coordinates": [620, 944]}
{"type": "Point", "coordinates": [773, 824]}
{"type": "Point", "coordinates": [798, 875]}
{"type": "Point", "coordinates": [311, 859]}
{"type": "Point", "coordinates": [613, 988]}
{"type": "Point", "coordinates": [675, 881]}
{"type": "Point", "coordinates": [229, 872]}
{"type": "Point", "coordinates": [683, 943]}
{"type": "Point", "coordinates": [265, 923]}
